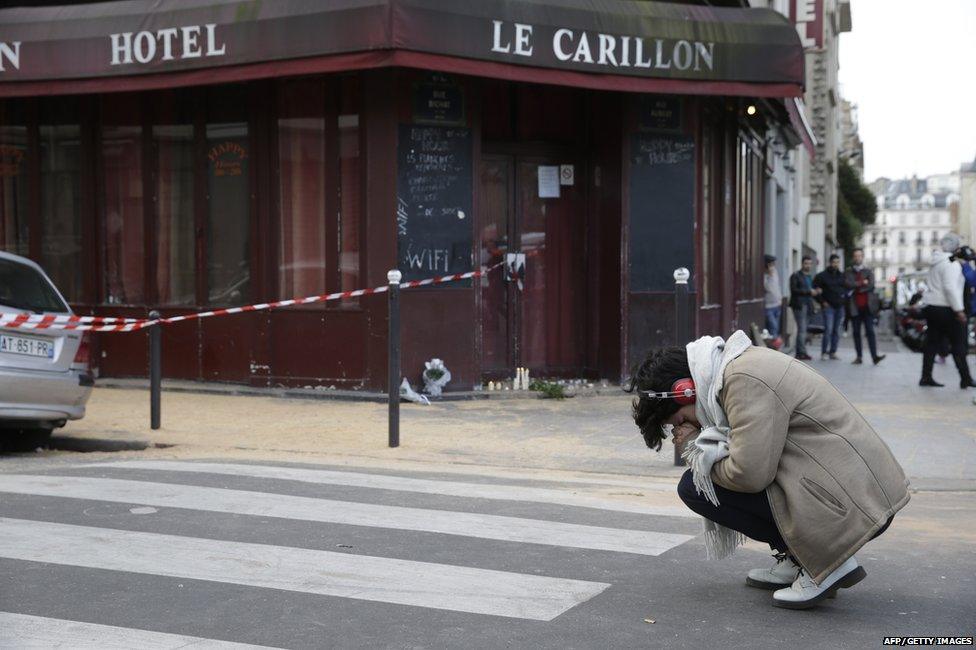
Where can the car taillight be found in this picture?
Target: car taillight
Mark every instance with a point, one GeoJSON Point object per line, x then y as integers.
{"type": "Point", "coordinates": [83, 355]}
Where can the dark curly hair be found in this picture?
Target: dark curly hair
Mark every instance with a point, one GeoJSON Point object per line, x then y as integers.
{"type": "Point", "coordinates": [657, 372]}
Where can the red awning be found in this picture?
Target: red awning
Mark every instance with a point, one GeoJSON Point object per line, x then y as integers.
{"type": "Point", "coordinates": [623, 45]}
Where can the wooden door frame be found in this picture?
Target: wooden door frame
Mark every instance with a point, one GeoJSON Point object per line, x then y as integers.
{"type": "Point", "coordinates": [541, 153]}
{"type": "Point", "coordinates": [511, 354]}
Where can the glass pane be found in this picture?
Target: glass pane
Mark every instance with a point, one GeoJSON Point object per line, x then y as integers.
{"type": "Point", "coordinates": [122, 223]}
{"type": "Point", "coordinates": [551, 235]}
{"type": "Point", "coordinates": [705, 236]}
{"type": "Point", "coordinates": [228, 225]}
{"type": "Point", "coordinates": [13, 180]}
{"type": "Point", "coordinates": [494, 205]}
{"type": "Point", "coordinates": [533, 224]}
{"type": "Point", "coordinates": [301, 178]}
{"type": "Point", "coordinates": [175, 249]}
{"type": "Point", "coordinates": [60, 207]}
{"type": "Point", "coordinates": [350, 210]}
{"type": "Point", "coordinates": [22, 287]}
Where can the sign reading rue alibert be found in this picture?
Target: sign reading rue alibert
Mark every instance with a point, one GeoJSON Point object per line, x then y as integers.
{"type": "Point", "coordinates": [659, 113]}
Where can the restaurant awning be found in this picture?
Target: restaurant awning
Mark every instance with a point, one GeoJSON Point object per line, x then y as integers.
{"type": "Point", "coordinates": [604, 44]}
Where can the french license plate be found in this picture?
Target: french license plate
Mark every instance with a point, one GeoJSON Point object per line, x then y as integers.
{"type": "Point", "coordinates": [27, 346]}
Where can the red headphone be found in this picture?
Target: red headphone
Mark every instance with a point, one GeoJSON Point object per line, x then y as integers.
{"type": "Point", "coordinates": [682, 391]}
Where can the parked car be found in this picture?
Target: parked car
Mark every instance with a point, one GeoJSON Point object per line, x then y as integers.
{"type": "Point", "coordinates": [45, 375]}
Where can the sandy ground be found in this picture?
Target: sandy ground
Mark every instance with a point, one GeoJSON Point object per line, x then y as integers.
{"type": "Point", "coordinates": [931, 431]}
{"type": "Point", "coordinates": [581, 434]}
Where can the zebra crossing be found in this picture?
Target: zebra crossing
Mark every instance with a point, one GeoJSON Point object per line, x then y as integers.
{"type": "Point", "coordinates": [443, 547]}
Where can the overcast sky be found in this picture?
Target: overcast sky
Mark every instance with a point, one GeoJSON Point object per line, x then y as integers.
{"type": "Point", "coordinates": [910, 66]}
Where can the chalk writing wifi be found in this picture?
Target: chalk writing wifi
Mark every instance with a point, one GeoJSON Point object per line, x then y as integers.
{"type": "Point", "coordinates": [434, 179]}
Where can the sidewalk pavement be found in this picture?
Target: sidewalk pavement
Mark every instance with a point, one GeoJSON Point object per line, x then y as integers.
{"type": "Point", "coordinates": [931, 430]}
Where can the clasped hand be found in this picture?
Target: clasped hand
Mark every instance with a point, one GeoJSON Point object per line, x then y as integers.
{"type": "Point", "coordinates": [683, 433]}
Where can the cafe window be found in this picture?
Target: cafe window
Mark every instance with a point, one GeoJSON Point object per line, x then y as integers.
{"type": "Point", "coordinates": [350, 188]}
{"type": "Point", "coordinates": [319, 185]}
{"type": "Point", "coordinates": [228, 197]}
{"type": "Point", "coordinates": [175, 241]}
{"type": "Point", "coordinates": [711, 211]}
{"type": "Point", "coordinates": [61, 248]}
{"type": "Point", "coordinates": [122, 224]}
{"type": "Point", "coordinates": [14, 221]}
{"type": "Point", "coordinates": [748, 231]}
{"type": "Point", "coordinates": [302, 189]}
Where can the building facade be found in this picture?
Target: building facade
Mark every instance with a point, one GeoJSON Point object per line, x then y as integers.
{"type": "Point", "coordinates": [967, 202]}
{"type": "Point", "coordinates": [807, 184]}
{"type": "Point", "coordinates": [185, 158]}
{"type": "Point", "coordinates": [851, 147]}
{"type": "Point", "coordinates": [912, 217]}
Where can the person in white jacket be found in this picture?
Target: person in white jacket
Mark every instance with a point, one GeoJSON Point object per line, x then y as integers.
{"type": "Point", "coordinates": [945, 313]}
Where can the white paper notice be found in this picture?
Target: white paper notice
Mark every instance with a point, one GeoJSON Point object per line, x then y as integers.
{"type": "Point", "coordinates": [548, 181]}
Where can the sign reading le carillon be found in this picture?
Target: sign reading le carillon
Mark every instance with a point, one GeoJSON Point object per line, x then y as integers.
{"type": "Point", "coordinates": [611, 43]}
{"type": "Point", "coordinates": [606, 50]}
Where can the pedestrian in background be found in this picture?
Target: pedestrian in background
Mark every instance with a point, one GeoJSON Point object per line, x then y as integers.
{"type": "Point", "coordinates": [863, 305]}
{"type": "Point", "coordinates": [966, 257]}
{"type": "Point", "coordinates": [801, 302]}
{"type": "Point", "coordinates": [773, 301]}
{"type": "Point", "coordinates": [832, 297]}
{"type": "Point", "coordinates": [945, 313]}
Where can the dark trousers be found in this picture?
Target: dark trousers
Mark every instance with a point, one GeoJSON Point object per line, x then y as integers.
{"type": "Point", "coordinates": [942, 326]}
{"type": "Point", "coordinates": [833, 319]}
{"type": "Point", "coordinates": [747, 513]}
{"type": "Point", "coordinates": [864, 317]}
{"type": "Point", "coordinates": [802, 316]}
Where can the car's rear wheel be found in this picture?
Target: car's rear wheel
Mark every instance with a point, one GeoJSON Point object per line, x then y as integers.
{"type": "Point", "coordinates": [26, 438]}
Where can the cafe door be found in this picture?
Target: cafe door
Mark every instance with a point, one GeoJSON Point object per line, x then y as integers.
{"type": "Point", "coordinates": [532, 308]}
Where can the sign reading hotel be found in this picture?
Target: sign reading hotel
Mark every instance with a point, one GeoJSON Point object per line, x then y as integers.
{"type": "Point", "coordinates": [807, 15]}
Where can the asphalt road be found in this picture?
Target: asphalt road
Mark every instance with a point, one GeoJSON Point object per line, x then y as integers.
{"type": "Point", "coordinates": [153, 553]}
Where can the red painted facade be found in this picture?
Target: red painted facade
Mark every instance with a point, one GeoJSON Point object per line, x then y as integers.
{"type": "Point", "coordinates": [149, 222]}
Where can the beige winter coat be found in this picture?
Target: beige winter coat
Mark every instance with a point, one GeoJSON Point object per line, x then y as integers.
{"type": "Point", "coordinates": [831, 481]}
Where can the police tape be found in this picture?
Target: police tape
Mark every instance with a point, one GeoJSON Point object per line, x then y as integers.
{"type": "Point", "coordinates": [117, 324]}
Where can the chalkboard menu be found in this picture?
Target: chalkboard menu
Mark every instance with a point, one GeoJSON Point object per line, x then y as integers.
{"type": "Point", "coordinates": [662, 218]}
{"type": "Point", "coordinates": [434, 231]}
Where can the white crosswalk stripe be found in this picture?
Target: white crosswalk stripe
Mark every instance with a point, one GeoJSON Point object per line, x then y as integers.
{"type": "Point", "coordinates": [328, 573]}
{"type": "Point", "coordinates": [406, 484]}
{"type": "Point", "coordinates": [29, 632]}
{"type": "Point", "coordinates": [269, 564]}
{"type": "Point", "coordinates": [242, 502]}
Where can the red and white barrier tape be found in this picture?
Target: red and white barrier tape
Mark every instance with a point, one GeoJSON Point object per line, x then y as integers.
{"type": "Point", "coordinates": [113, 324]}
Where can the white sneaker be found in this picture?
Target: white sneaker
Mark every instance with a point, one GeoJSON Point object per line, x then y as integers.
{"type": "Point", "coordinates": [782, 574]}
{"type": "Point", "coordinates": [804, 592]}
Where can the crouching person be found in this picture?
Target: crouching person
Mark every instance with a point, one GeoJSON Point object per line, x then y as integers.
{"type": "Point", "coordinates": [776, 454]}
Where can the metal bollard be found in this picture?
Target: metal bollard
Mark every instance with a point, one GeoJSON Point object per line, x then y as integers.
{"type": "Point", "coordinates": [682, 327]}
{"type": "Point", "coordinates": [155, 370]}
{"type": "Point", "coordinates": [393, 277]}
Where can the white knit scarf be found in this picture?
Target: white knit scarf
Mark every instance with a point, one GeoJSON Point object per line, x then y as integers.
{"type": "Point", "coordinates": [708, 358]}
